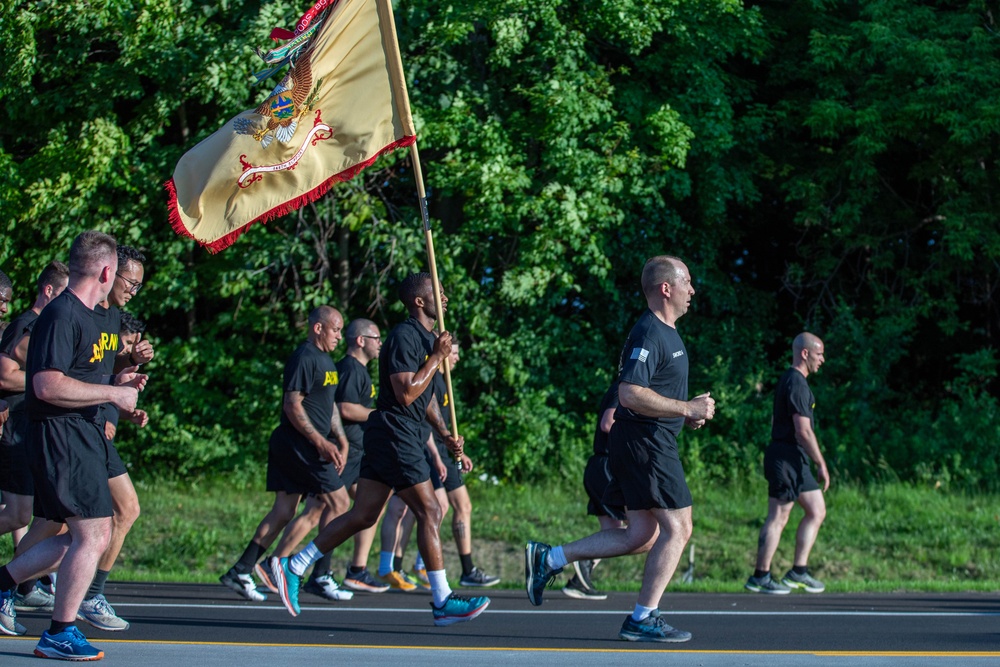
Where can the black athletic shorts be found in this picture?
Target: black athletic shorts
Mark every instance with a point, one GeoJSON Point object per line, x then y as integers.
{"type": "Point", "coordinates": [395, 463]}
{"type": "Point", "coordinates": [353, 466]}
{"type": "Point", "coordinates": [116, 467]}
{"type": "Point", "coordinates": [454, 479]}
{"type": "Point", "coordinates": [294, 466]}
{"type": "Point", "coordinates": [69, 461]}
{"type": "Point", "coordinates": [788, 473]}
{"type": "Point", "coordinates": [596, 480]}
{"type": "Point", "coordinates": [435, 477]}
{"type": "Point", "coordinates": [645, 474]}
{"type": "Point", "coordinates": [15, 462]}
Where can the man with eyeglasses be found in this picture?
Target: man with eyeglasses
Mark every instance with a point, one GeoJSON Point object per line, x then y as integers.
{"type": "Point", "coordinates": [355, 401]}
{"type": "Point", "coordinates": [126, 284]}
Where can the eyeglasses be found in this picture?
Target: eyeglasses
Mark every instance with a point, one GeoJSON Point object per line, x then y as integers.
{"type": "Point", "coordinates": [375, 337]}
{"type": "Point", "coordinates": [133, 286]}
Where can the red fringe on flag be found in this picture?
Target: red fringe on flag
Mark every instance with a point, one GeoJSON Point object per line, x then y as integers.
{"type": "Point", "coordinates": [307, 198]}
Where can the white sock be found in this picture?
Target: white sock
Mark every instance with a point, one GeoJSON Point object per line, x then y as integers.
{"type": "Point", "coordinates": [641, 612]}
{"type": "Point", "coordinates": [300, 562]}
{"type": "Point", "coordinates": [384, 563]}
{"type": "Point", "coordinates": [439, 586]}
{"type": "Point", "coordinates": [556, 558]}
{"type": "Point", "coordinates": [419, 565]}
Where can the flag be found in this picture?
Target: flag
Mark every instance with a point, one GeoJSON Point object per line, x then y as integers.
{"type": "Point", "coordinates": [340, 105]}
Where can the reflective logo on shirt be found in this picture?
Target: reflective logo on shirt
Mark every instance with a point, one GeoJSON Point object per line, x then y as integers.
{"type": "Point", "coordinates": [640, 354]}
{"type": "Point", "coordinates": [678, 353]}
{"type": "Point", "coordinates": [331, 378]}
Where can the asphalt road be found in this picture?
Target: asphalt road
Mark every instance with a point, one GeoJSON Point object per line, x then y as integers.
{"type": "Point", "coordinates": [209, 625]}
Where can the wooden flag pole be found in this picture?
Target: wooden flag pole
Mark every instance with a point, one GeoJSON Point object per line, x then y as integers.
{"type": "Point", "coordinates": [402, 100]}
{"type": "Point", "coordinates": [435, 283]}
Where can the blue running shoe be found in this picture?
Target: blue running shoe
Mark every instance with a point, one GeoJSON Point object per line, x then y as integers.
{"type": "Point", "coordinates": [651, 629]}
{"type": "Point", "coordinates": [537, 573]}
{"type": "Point", "coordinates": [288, 584]}
{"type": "Point", "coordinates": [70, 644]}
{"type": "Point", "coordinates": [457, 609]}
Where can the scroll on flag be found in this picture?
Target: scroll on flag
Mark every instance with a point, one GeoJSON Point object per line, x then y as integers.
{"type": "Point", "coordinates": [341, 104]}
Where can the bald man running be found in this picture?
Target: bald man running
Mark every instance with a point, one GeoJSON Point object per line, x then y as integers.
{"type": "Point", "coordinates": [789, 478]}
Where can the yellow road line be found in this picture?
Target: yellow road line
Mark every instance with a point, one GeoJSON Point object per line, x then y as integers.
{"type": "Point", "coordinates": [481, 649]}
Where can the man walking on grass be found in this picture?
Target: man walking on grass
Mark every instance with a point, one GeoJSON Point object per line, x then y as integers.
{"type": "Point", "coordinates": [789, 478]}
{"type": "Point", "coordinates": [647, 475]}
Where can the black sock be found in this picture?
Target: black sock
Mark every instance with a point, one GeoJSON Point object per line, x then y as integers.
{"type": "Point", "coordinates": [354, 570]}
{"type": "Point", "coordinates": [25, 586]}
{"type": "Point", "coordinates": [321, 567]}
{"type": "Point", "coordinates": [761, 573]}
{"type": "Point", "coordinates": [45, 579]}
{"type": "Point", "coordinates": [7, 582]}
{"type": "Point", "coordinates": [467, 566]}
{"type": "Point", "coordinates": [800, 569]}
{"type": "Point", "coordinates": [57, 627]}
{"type": "Point", "coordinates": [397, 563]}
{"type": "Point", "coordinates": [97, 585]}
{"type": "Point", "coordinates": [249, 558]}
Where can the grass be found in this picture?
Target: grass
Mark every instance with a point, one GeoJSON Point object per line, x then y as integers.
{"type": "Point", "coordinates": [886, 538]}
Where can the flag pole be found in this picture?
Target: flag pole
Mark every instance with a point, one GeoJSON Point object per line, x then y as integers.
{"type": "Point", "coordinates": [435, 283]}
{"type": "Point", "coordinates": [395, 63]}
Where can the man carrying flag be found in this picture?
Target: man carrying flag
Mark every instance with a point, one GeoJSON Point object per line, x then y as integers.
{"type": "Point", "coordinates": [394, 459]}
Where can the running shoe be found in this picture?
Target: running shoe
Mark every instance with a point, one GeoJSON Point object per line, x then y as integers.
{"type": "Point", "coordinates": [398, 581]}
{"type": "Point", "coordinates": [242, 584]}
{"type": "Point", "coordinates": [48, 587]}
{"type": "Point", "coordinates": [584, 570]}
{"type": "Point", "coordinates": [36, 600]}
{"type": "Point", "coordinates": [537, 573]}
{"type": "Point", "coordinates": [804, 581]}
{"type": "Point", "coordinates": [651, 629]}
{"type": "Point", "coordinates": [288, 584]}
{"type": "Point", "coordinates": [327, 587]}
{"type": "Point", "coordinates": [457, 609]}
{"type": "Point", "coordinates": [364, 581]}
{"type": "Point", "coordinates": [421, 587]}
{"type": "Point", "coordinates": [8, 617]}
{"type": "Point", "coordinates": [766, 585]}
{"type": "Point", "coordinates": [263, 572]}
{"type": "Point", "coordinates": [575, 588]}
{"type": "Point", "coordinates": [70, 644]}
{"type": "Point", "coordinates": [478, 578]}
{"type": "Point", "coordinates": [420, 574]}
{"type": "Point", "coordinates": [101, 615]}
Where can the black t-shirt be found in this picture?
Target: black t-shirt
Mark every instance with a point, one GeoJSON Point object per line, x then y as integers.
{"type": "Point", "coordinates": [404, 351]}
{"type": "Point", "coordinates": [791, 396]}
{"type": "Point", "coordinates": [440, 389]}
{"type": "Point", "coordinates": [354, 385]}
{"type": "Point", "coordinates": [312, 372]}
{"type": "Point", "coordinates": [109, 320]}
{"type": "Point", "coordinates": [608, 402]}
{"type": "Point", "coordinates": [15, 332]}
{"type": "Point", "coordinates": [67, 338]}
{"type": "Point", "coordinates": [654, 356]}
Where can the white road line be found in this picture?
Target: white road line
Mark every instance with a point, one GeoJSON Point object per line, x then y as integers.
{"type": "Point", "coordinates": [570, 612]}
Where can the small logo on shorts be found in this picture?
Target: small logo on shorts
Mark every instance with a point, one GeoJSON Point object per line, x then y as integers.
{"type": "Point", "coordinates": [640, 354]}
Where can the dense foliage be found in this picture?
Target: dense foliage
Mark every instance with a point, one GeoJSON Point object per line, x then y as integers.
{"type": "Point", "coordinates": [830, 165]}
